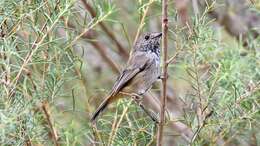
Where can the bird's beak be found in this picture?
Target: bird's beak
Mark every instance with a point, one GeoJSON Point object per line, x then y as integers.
{"type": "Point", "coordinates": [157, 34]}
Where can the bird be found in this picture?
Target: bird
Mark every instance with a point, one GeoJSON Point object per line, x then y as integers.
{"type": "Point", "coordinates": [141, 71]}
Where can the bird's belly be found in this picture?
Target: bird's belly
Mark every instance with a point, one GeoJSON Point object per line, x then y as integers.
{"type": "Point", "coordinates": [144, 80]}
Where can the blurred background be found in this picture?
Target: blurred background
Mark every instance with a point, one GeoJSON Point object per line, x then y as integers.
{"type": "Point", "coordinates": [60, 58]}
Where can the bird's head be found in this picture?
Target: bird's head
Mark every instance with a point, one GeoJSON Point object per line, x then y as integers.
{"type": "Point", "coordinates": [149, 41]}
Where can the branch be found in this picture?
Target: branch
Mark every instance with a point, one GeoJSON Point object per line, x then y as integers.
{"type": "Point", "coordinates": [100, 48]}
{"type": "Point", "coordinates": [164, 70]}
{"type": "Point", "coordinates": [195, 135]}
{"type": "Point", "coordinates": [173, 58]}
{"type": "Point", "coordinates": [142, 20]}
{"type": "Point", "coordinates": [54, 134]}
{"type": "Point", "coordinates": [121, 49]}
{"type": "Point", "coordinates": [251, 91]}
{"type": "Point", "coordinates": [36, 44]}
{"type": "Point", "coordinates": [116, 126]}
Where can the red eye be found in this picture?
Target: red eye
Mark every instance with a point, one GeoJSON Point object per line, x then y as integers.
{"type": "Point", "coordinates": [146, 37]}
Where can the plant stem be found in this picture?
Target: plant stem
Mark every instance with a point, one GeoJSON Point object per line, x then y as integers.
{"type": "Point", "coordinates": [164, 70]}
{"type": "Point", "coordinates": [53, 131]}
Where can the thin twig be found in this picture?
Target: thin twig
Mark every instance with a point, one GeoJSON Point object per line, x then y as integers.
{"type": "Point", "coordinates": [96, 133]}
{"type": "Point", "coordinates": [164, 70]}
{"type": "Point", "coordinates": [36, 44]}
{"type": "Point", "coordinates": [249, 93]}
{"type": "Point", "coordinates": [114, 131]}
{"type": "Point", "coordinates": [113, 128]}
{"type": "Point", "coordinates": [142, 20]}
{"type": "Point", "coordinates": [173, 58]}
{"type": "Point", "coordinates": [195, 135]}
{"type": "Point", "coordinates": [100, 48]}
{"type": "Point", "coordinates": [121, 49]}
{"type": "Point", "coordinates": [54, 134]}
{"type": "Point", "coordinates": [88, 29]}
{"type": "Point", "coordinates": [197, 87]}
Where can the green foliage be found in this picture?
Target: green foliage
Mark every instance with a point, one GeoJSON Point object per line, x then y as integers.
{"type": "Point", "coordinates": [45, 63]}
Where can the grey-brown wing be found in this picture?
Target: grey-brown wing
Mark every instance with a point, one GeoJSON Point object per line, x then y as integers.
{"type": "Point", "coordinates": [136, 64]}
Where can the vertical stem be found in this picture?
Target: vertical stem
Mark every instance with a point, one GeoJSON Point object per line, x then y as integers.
{"type": "Point", "coordinates": [164, 69]}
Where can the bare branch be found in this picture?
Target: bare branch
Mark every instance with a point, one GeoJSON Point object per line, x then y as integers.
{"type": "Point", "coordinates": [164, 70]}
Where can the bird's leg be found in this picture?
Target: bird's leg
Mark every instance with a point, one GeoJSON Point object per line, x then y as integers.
{"type": "Point", "coordinates": [138, 100]}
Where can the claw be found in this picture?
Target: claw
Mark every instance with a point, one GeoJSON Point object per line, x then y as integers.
{"type": "Point", "coordinates": [162, 76]}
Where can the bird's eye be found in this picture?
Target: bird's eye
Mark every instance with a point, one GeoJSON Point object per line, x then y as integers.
{"type": "Point", "coordinates": [146, 37]}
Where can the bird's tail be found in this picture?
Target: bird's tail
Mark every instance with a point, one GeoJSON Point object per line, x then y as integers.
{"type": "Point", "coordinates": [101, 108]}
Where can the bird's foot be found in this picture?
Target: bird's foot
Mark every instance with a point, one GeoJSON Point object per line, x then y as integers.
{"type": "Point", "coordinates": [162, 76]}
